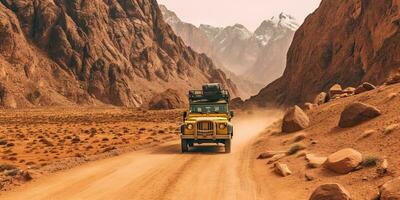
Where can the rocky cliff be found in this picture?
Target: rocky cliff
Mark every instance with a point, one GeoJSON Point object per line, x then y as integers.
{"type": "Point", "coordinates": [345, 42]}
{"type": "Point", "coordinates": [120, 52]}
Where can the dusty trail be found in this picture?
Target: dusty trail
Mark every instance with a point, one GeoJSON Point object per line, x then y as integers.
{"type": "Point", "coordinates": [161, 173]}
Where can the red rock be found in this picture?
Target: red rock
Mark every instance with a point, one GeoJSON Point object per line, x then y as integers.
{"type": "Point", "coordinates": [343, 161]}
{"type": "Point", "coordinates": [393, 79]}
{"type": "Point", "coordinates": [113, 52]}
{"type": "Point", "coordinates": [332, 191]}
{"type": "Point", "coordinates": [390, 190]}
{"type": "Point", "coordinates": [341, 50]}
{"type": "Point", "coordinates": [364, 87]}
{"type": "Point", "coordinates": [356, 113]}
{"type": "Point", "coordinates": [321, 98]}
{"type": "Point", "coordinates": [335, 90]}
{"type": "Point", "coordinates": [282, 169]}
{"type": "Point", "coordinates": [295, 119]}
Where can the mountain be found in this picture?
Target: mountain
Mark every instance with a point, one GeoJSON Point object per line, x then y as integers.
{"type": "Point", "coordinates": [190, 34]}
{"type": "Point", "coordinates": [253, 59]}
{"type": "Point", "coordinates": [275, 36]}
{"type": "Point", "coordinates": [118, 52]}
{"type": "Point", "coordinates": [345, 42]}
{"type": "Point", "coordinates": [205, 38]}
{"type": "Point", "coordinates": [235, 47]}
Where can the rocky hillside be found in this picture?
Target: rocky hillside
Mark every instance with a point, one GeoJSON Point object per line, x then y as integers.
{"type": "Point", "coordinates": [116, 52]}
{"type": "Point", "coordinates": [350, 141]}
{"type": "Point", "coordinates": [258, 57]}
{"type": "Point", "coordinates": [348, 42]}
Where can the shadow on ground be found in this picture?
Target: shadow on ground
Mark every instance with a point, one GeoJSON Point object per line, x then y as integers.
{"type": "Point", "coordinates": [197, 149]}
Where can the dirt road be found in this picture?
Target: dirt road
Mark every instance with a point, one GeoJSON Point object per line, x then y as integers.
{"type": "Point", "coordinates": [161, 173]}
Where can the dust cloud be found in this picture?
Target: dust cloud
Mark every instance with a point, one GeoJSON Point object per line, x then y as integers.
{"type": "Point", "coordinates": [249, 124]}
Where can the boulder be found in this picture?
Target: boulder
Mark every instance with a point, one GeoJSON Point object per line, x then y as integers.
{"type": "Point", "coordinates": [276, 158]}
{"type": "Point", "coordinates": [169, 99]}
{"type": "Point", "coordinates": [331, 191]}
{"type": "Point", "coordinates": [295, 119]}
{"type": "Point", "coordinates": [349, 90]}
{"type": "Point", "coordinates": [315, 161]}
{"type": "Point", "coordinates": [382, 169]}
{"type": "Point", "coordinates": [321, 98]}
{"type": "Point", "coordinates": [364, 88]}
{"type": "Point", "coordinates": [282, 169]}
{"type": "Point", "coordinates": [393, 79]}
{"type": "Point", "coordinates": [390, 190]}
{"type": "Point", "coordinates": [356, 113]}
{"type": "Point", "coordinates": [344, 161]}
{"type": "Point", "coordinates": [309, 106]}
{"type": "Point", "coordinates": [334, 90]}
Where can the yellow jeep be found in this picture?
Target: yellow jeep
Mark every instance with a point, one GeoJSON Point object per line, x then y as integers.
{"type": "Point", "coordinates": [208, 119]}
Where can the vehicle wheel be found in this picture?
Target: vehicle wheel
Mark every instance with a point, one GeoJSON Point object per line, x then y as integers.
{"type": "Point", "coordinates": [228, 146]}
{"type": "Point", "coordinates": [184, 146]}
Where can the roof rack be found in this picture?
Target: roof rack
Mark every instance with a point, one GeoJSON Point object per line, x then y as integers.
{"type": "Point", "coordinates": [210, 93]}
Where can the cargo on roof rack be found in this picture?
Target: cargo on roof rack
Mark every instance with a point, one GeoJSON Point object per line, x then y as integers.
{"type": "Point", "coordinates": [211, 93]}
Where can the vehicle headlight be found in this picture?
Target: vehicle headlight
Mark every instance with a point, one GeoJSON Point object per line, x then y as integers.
{"type": "Point", "coordinates": [222, 126]}
{"type": "Point", "coordinates": [189, 126]}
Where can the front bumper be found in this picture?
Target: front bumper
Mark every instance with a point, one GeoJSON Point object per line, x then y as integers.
{"type": "Point", "coordinates": [208, 137]}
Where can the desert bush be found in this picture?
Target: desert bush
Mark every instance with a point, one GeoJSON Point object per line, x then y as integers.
{"type": "Point", "coordinates": [295, 148]}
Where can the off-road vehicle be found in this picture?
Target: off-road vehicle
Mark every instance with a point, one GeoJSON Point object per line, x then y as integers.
{"type": "Point", "coordinates": [208, 119]}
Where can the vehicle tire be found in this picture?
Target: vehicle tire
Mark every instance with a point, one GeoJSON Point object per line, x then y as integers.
{"type": "Point", "coordinates": [184, 146]}
{"type": "Point", "coordinates": [228, 146]}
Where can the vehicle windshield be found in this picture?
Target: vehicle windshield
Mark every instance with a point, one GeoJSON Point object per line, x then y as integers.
{"type": "Point", "coordinates": [203, 108]}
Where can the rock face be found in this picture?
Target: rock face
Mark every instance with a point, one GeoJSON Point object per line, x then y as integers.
{"type": "Point", "coordinates": [345, 42]}
{"type": "Point", "coordinates": [88, 52]}
{"type": "Point", "coordinates": [330, 192]}
{"type": "Point", "coordinates": [356, 113]}
{"type": "Point", "coordinates": [390, 190]}
{"type": "Point", "coordinates": [295, 119]}
{"type": "Point", "coordinates": [170, 99]}
{"type": "Point", "coordinates": [343, 161]}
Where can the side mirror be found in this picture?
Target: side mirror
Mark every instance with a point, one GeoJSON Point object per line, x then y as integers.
{"type": "Point", "coordinates": [184, 115]}
{"type": "Point", "coordinates": [232, 114]}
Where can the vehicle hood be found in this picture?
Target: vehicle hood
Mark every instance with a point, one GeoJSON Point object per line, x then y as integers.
{"type": "Point", "coordinates": [196, 119]}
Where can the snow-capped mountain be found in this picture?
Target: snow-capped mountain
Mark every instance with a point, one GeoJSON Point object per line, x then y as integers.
{"type": "Point", "coordinates": [259, 56]}
{"type": "Point", "coordinates": [275, 28]}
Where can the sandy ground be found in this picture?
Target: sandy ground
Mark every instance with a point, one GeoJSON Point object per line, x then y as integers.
{"type": "Point", "coordinates": [45, 140]}
{"type": "Point", "coordinates": [163, 172]}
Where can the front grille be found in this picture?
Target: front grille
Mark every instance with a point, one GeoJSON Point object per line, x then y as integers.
{"type": "Point", "coordinates": [205, 127]}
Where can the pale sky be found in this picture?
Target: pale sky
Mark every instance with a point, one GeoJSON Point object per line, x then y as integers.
{"type": "Point", "coordinates": [247, 12]}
